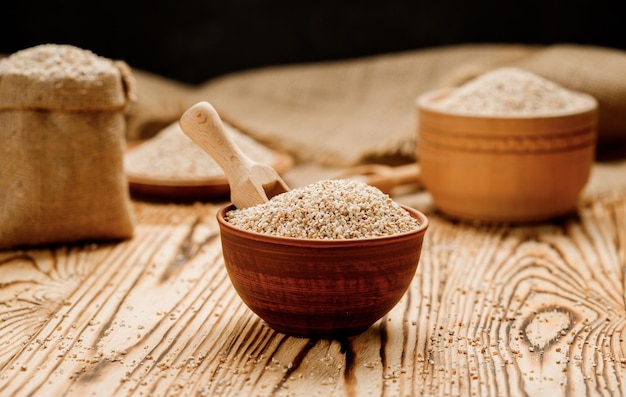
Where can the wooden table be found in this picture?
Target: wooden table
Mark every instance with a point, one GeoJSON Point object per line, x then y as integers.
{"type": "Point", "coordinates": [494, 310]}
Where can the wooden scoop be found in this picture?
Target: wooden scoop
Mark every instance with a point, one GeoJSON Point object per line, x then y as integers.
{"type": "Point", "coordinates": [250, 183]}
{"type": "Point", "coordinates": [385, 177]}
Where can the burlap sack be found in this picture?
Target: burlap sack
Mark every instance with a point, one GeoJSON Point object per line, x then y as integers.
{"type": "Point", "coordinates": [346, 112]}
{"type": "Point", "coordinates": [342, 113]}
{"type": "Point", "coordinates": [61, 159]}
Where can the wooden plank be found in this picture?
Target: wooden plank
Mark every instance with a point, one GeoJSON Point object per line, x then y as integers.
{"type": "Point", "coordinates": [492, 311]}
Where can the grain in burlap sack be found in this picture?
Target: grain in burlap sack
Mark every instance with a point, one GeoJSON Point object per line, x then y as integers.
{"type": "Point", "coordinates": [61, 160]}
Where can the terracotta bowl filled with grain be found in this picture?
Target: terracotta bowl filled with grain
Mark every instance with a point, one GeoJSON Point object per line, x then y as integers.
{"type": "Point", "coordinates": [508, 146]}
{"type": "Point", "coordinates": [328, 259]}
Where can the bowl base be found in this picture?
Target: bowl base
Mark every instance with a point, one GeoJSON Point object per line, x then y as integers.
{"type": "Point", "coordinates": [318, 333]}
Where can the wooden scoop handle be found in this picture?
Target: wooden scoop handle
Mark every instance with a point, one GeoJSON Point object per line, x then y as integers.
{"type": "Point", "coordinates": [385, 177]}
{"type": "Point", "coordinates": [203, 125]}
{"type": "Point", "coordinates": [251, 183]}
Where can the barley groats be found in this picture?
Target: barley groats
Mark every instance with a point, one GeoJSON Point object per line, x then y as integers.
{"type": "Point", "coordinates": [61, 159]}
{"type": "Point", "coordinates": [333, 209]}
{"type": "Point", "coordinates": [172, 154]}
{"type": "Point", "coordinates": [510, 92]}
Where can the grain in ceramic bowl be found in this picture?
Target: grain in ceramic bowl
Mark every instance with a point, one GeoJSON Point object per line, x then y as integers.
{"type": "Point", "coordinates": [508, 146]}
{"type": "Point", "coordinates": [325, 260]}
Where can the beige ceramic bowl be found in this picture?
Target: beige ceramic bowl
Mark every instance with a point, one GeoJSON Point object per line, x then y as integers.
{"type": "Point", "coordinates": [320, 288]}
{"type": "Point", "coordinates": [504, 169]}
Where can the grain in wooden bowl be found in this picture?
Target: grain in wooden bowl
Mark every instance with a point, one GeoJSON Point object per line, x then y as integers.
{"type": "Point", "coordinates": [172, 166]}
{"type": "Point", "coordinates": [509, 146]}
{"type": "Point", "coordinates": [325, 260]}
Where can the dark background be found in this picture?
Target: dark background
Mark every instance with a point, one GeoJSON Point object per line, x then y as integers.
{"type": "Point", "coordinates": [193, 41]}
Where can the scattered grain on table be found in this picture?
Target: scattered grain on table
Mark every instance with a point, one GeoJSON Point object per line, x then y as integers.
{"type": "Point", "coordinates": [512, 91]}
{"type": "Point", "coordinates": [327, 210]}
{"type": "Point", "coordinates": [173, 155]}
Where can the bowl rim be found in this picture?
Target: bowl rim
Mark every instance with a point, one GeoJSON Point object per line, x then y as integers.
{"type": "Point", "coordinates": [334, 243]}
{"type": "Point", "coordinates": [424, 103]}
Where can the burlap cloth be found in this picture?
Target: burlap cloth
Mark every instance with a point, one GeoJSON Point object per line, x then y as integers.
{"type": "Point", "coordinates": [342, 113]}
{"type": "Point", "coordinates": [334, 115]}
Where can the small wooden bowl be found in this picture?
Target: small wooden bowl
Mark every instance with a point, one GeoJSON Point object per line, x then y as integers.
{"type": "Point", "coordinates": [320, 288]}
{"type": "Point", "coordinates": [504, 169]}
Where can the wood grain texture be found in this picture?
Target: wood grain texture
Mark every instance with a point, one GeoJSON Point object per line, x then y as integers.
{"type": "Point", "coordinates": [492, 311]}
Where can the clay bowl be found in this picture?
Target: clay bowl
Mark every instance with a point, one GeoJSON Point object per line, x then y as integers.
{"type": "Point", "coordinates": [320, 288]}
{"type": "Point", "coordinates": [504, 169]}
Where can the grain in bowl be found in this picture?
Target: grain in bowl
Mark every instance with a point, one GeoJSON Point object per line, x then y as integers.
{"type": "Point", "coordinates": [322, 282]}
{"type": "Point", "coordinates": [327, 210]}
{"type": "Point", "coordinates": [510, 91]}
{"type": "Point", "coordinates": [508, 146]}
{"type": "Point", "coordinates": [171, 154]}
